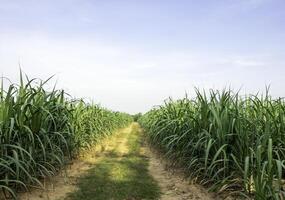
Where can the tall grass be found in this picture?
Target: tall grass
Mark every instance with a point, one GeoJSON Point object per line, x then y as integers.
{"type": "Point", "coordinates": [225, 141]}
{"type": "Point", "coordinates": [41, 130]}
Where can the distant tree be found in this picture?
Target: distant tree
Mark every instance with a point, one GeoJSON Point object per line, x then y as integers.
{"type": "Point", "coordinates": [137, 116]}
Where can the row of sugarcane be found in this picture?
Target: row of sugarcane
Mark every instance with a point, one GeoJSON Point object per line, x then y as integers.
{"type": "Point", "coordinates": [230, 143]}
{"type": "Point", "coordinates": [41, 131]}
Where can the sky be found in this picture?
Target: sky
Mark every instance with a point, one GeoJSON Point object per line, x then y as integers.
{"type": "Point", "coordinates": [130, 55]}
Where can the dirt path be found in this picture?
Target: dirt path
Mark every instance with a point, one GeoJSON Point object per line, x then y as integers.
{"type": "Point", "coordinates": [121, 167]}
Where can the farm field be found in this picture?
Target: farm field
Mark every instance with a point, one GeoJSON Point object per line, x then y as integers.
{"type": "Point", "coordinates": [217, 145]}
{"type": "Point", "coordinates": [142, 100]}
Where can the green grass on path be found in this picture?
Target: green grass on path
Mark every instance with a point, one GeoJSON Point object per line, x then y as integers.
{"type": "Point", "coordinates": [119, 175]}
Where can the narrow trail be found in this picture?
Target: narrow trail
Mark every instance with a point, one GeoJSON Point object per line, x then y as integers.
{"type": "Point", "coordinates": [122, 167]}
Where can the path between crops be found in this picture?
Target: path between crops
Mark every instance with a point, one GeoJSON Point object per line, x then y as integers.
{"type": "Point", "coordinates": [121, 167]}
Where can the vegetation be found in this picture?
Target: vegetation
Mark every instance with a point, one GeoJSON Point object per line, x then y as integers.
{"type": "Point", "coordinates": [225, 141]}
{"type": "Point", "coordinates": [40, 131]}
{"type": "Point", "coordinates": [137, 116]}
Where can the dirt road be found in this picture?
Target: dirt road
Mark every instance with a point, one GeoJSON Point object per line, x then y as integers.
{"type": "Point", "coordinates": [121, 167]}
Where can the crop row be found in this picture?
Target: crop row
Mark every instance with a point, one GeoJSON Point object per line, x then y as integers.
{"type": "Point", "coordinates": [40, 131]}
{"type": "Point", "coordinates": [225, 141]}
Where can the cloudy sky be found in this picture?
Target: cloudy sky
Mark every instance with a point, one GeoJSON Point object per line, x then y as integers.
{"type": "Point", "coordinates": [129, 55]}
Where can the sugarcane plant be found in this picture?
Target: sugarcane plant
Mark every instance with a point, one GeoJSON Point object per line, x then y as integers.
{"type": "Point", "coordinates": [224, 141]}
{"type": "Point", "coordinates": [40, 131]}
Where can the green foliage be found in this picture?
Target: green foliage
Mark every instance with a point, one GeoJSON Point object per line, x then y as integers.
{"type": "Point", "coordinates": [137, 116]}
{"type": "Point", "coordinates": [40, 131]}
{"type": "Point", "coordinates": [226, 141]}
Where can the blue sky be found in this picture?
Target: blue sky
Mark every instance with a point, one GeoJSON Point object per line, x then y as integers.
{"type": "Point", "coordinates": [131, 55]}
